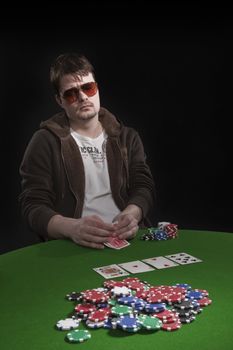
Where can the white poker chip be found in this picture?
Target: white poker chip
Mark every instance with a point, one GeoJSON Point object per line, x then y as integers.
{"type": "Point", "coordinates": [67, 324]}
{"type": "Point", "coordinates": [120, 291]}
{"type": "Point", "coordinates": [162, 224]}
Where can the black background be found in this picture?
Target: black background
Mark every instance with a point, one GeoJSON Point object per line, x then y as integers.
{"type": "Point", "coordinates": [166, 71]}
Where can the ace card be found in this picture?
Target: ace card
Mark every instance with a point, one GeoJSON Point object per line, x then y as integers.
{"type": "Point", "coordinates": [136, 266]}
{"type": "Point", "coordinates": [160, 262]}
{"type": "Point", "coordinates": [183, 258]}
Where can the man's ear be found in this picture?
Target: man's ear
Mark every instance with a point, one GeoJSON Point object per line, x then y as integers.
{"type": "Point", "coordinates": [58, 99]}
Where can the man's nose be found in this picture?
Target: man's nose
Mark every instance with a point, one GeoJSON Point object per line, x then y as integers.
{"type": "Point", "coordinates": [82, 96]}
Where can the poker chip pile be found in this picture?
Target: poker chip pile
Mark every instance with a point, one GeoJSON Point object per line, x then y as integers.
{"type": "Point", "coordinates": [164, 231]}
{"type": "Point", "coordinates": [132, 305]}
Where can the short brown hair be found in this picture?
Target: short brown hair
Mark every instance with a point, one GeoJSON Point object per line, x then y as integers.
{"type": "Point", "coordinates": [69, 63]}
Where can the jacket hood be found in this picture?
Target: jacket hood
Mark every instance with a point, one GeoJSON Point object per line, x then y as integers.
{"type": "Point", "coordinates": [59, 123]}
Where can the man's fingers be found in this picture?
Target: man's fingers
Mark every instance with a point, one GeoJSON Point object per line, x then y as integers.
{"type": "Point", "coordinates": [130, 225]}
{"type": "Point", "coordinates": [129, 234]}
{"type": "Point", "coordinates": [90, 244]}
{"type": "Point", "coordinates": [95, 221]}
{"type": "Point", "coordinates": [97, 232]}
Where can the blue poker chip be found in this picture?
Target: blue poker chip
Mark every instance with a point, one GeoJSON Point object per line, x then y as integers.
{"type": "Point", "coordinates": [102, 305]}
{"type": "Point", "coordinates": [139, 307]}
{"type": "Point", "coordinates": [155, 307]}
{"type": "Point", "coordinates": [128, 323]}
{"type": "Point", "coordinates": [128, 300]}
{"type": "Point", "coordinates": [108, 324]}
{"type": "Point", "coordinates": [184, 285]}
{"type": "Point", "coordinates": [161, 235]}
{"type": "Point", "coordinates": [140, 303]}
{"type": "Point", "coordinates": [192, 294]}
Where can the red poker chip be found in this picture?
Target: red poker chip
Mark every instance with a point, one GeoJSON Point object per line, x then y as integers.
{"type": "Point", "coordinates": [167, 289]}
{"type": "Point", "coordinates": [166, 314]}
{"type": "Point", "coordinates": [174, 298]}
{"type": "Point", "coordinates": [95, 296]}
{"type": "Point", "coordinates": [143, 294]}
{"type": "Point", "coordinates": [154, 289]}
{"type": "Point", "coordinates": [179, 290]}
{"type": "Point", "coordinates": [171, 233]}
{"type": "Point", "coordinates": [136, 285]}
{"type": "Point", "coordinates": [98, 315]}
{"type": "Point", "coordinates": [130, 279]}
{"type": "Point", "coordinates": [106, 311]}
{"type": "Point", "coordinates": [111, 284]}
{"type": "Point", "coordinates": [85, 308]}
{"type": "Point", "coordinates": [155, 298]}
{"type": "Point", "coordinates": [171, 326]}
{"type": "Point", "coordinates": [204, 301]}
{"type": "Point", "coordinates": [171, 320]}
{"type": "Point", "coordinates": [171, 229]}
{"type": "Point", "coordinates": [119, 284]}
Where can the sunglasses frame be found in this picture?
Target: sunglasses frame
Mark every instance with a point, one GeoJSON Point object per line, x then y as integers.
{"type": "Point", "coordinates": [75, 91]}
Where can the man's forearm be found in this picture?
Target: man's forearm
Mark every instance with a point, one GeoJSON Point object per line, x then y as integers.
{"type": "Point", "coordinates": [58, 226]}
{"type": "Point", "coordinates": [133, 210]}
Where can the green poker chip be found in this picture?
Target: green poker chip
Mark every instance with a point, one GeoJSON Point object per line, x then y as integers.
{"type": "Point", "coordinates": [120, 310]}
{"type": "Point", "coordinates": [78, 336]}
{"type": "Point", "coordinates": [149, 322]}
{"type": "Point", "coordinates": [112, 302]}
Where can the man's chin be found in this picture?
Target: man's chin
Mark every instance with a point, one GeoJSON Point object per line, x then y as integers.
{"type": "Point", "coordinates": [86, 116]}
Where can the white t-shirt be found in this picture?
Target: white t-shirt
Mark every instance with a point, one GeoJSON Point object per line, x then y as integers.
{"type": "Point", "coordinates": [98, 198]}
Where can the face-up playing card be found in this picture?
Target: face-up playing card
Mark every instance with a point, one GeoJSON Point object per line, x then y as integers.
{"type": "Point", "coordinates": [183, 258]}
{"type": "Point", "coordinates": [110, 271]}
{"type": "Point", "coordinates": [159, 262]}
{"type": "Point", "coordinates": [117, 243]}
{"type": "Point", "coordinates": [136, 266]}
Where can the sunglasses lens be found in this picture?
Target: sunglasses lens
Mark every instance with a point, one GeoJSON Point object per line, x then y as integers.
{"type": "Point", "coordinates": [89, 89]}
{"type": "Point", "coordinates": [71, 95]}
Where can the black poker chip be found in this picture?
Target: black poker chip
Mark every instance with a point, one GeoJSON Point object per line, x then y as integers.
{"type": "Point", "coordinates": [183, 312]}
{"type": "Point", "coordinates": [186, 304]}
{"type": "Point", "coordinates": [188, 319]}
{"type": "Point", "coordinates": [74, 296]}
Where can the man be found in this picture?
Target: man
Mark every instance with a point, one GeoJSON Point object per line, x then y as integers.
{"type": "Point", "coordinates": [84, 175]}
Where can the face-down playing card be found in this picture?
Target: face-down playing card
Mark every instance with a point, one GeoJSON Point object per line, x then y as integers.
{"type": "Point", "coordinates": [117, 243]}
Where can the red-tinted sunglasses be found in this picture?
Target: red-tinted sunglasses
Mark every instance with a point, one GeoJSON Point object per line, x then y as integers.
{"type": "Point", "coordinates": [72, 95]}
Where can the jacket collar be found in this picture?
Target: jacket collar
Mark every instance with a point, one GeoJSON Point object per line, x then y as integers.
{"type": "Point", "coordinates": [59, 124]}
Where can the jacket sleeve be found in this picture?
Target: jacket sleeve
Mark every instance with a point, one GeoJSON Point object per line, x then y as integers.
{"type": "Point", "coordinates": [141, 183]}
{"type": "Point", "coordinates": [37, 197]}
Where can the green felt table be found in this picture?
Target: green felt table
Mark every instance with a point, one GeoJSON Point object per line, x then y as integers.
{"type": "Point", "coordinates": [35, 280]}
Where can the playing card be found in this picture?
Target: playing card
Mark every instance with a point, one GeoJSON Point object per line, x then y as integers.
{"type": "Point", "coordinates": [111, 271]}
{"type": "Point", "coordinates": [117, 243]}
{"type": "Point", "coordinates": [183, 258]}
{"type": "Point", "coordinates": [160, 262]}
{"type": "Point", "coordinates": [136, 266]}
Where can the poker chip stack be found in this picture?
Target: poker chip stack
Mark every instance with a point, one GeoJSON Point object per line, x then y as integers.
{"type": "Point", "coordinates": [163, 232]}
{"type": "Point", "coordinates": [132, 305]}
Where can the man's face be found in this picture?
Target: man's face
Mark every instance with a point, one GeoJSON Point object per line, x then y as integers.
{"type": "Point", "coordinates": [79, 97]}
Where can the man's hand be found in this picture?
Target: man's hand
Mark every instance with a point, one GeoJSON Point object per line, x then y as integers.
{"type": "Point", "coordinates": [126, 226]}
{"type": "Point", "coordinates": [126, 223]}
{"type": "Point", "coordinates": [89, 231]}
